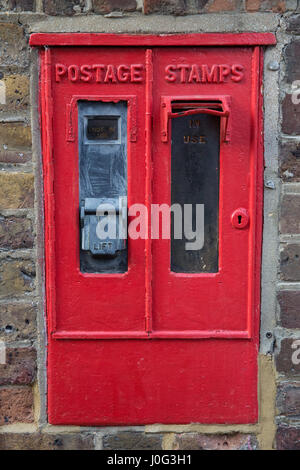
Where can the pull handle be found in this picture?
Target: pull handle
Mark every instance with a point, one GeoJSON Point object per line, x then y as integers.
{"type": "Point", "coordinates": [174, 107]}
{"type": "Point", "coordinates": [103, 225]}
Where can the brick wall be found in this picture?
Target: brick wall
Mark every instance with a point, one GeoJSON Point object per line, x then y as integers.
{"type": "Point", "coordinates": [289, 229]}
{"type": "Point", "coordinates": [23, 423]}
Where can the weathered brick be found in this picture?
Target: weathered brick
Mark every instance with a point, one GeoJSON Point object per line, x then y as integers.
{"type": "Point", "coordinates": [291, 55]}
{"type": "Point", "coordinates": [288, 356]}
{"type": "Point", "coordinates": [15, 232]}
{"type": "Point", "coordinates": [253, 5]}
{"type": "Point", "coordinates": [15, 136]}
{"type": "Point", "coordinates": [14, 96]}
{"type": "Point", "coordinates": [174, 7]}
{"type": "Point", "coordinates": [290, 116]}
{"type": "Point", "coordinates": [290, 214]}
{"type": "Point", "coordinates": [17, 5]}
{"type": "Point", "coordinates": [223, 5]}
{"type": "Point", "coordinates": [288, 399]}
{"type": "Point", "coordinates": [16, 405]}
{"type": "Point", "coordinates": [16, 277]}
{"type": "Point", "coordinates": [107, 6]}
{"type": "Point", "coordinates": [289, 263]}
{"type": "Point", "coordinates": [200, 4]}
{"type": "Point", "coordinates": [8, 156]}
{"type": "Point", "coordinates": [289, 161]}
{"type": "Point", "coordinates": [293, 24]}
{"type": "Point", "coordinates": [17, 322]}
{"type": "Point", "coordinates": [276, 6]}
{"type": "Point", "coordinates": [38, 441]}
{"type": "Point", "coordinates": [289, 302]}
{"type": "Point", "coordinates": [195, 441]}
{"type": "Point", "coordinates": [15, 142]}
{"type": "Point", "coordinates": [20, 367]}
{"type": "Point", "coordinates": [128, 440]}
{"type": "Point", "coordinates": [14, 49]}
{"type": "Point", "coordinates": [63, 7]}
{"type": "Point", "coordinates": [16, 190]}
{"type": "Point", "coordinates": [287, 438]}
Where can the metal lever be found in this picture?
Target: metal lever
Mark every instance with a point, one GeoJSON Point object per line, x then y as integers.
{"type": "Point", "coordinates": [188, 106]}
{"type": "Point", "coordinates": [92, 213]}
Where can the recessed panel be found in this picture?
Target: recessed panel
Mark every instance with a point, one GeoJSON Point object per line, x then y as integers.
{"type": "Point", "coordinates": [102, 185]}
{"type": "Point", "coordinates": [195, 153]}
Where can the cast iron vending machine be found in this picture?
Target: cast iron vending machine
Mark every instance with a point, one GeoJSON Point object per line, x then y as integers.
{"type": "Point", "coordinates": [144, 325]}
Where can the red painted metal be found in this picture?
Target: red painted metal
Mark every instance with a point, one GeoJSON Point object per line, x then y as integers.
{"type": "Point", "coordinates": [150, 345]}
{"type": "Point", "coordinates": [72, 108]}
{"type": "Point", "coordinates": [240, 218]}
{"type": "Point", "coordinates": [148, 161]}
{"type": "Point", "coordinates": [47, 141]}
{"type": "Point", "coordinates": [126, 40]}
{"type": "Point", "coordinates": [214, 105]}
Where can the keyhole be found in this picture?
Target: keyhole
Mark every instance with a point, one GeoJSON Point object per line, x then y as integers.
{"type": "Point", "coordinates": [240, 218]}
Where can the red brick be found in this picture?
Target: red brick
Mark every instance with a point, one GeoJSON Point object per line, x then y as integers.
{"type": "Point", "coordinates": [291, 57]}
{"type": "Point", "coordinates": [276, 6]}
{"type": "Point", "coordinates": [290, 263]}
{"type": "Point", "coordinates": [63, 7]}
{"type": "Point", "coordinates": [253, 5]}
{"type": "Point", "coordinates": [107, 6]}
{"type": "Point", "coordinates": [289, 302]}
{"type": "Point", "coordinates": [288, 399]}
{"type": "Point", "coordinates": [284, 358]}
{"type": "Point", "coordinates": [235, 441]}
{"type": "Point", "coordinates": [288, 438]}
{"type": "Point", "coordinates": [38, 441]}
{"type": "Point", "coordinates": [16, 405]}
{"type": "Point", "coordinates": [20, 367]}
{"type": "Point", "coordinates": [132, 440]}
{"type": "Point", "coordinates": [290, 116]}
{"type": "Point", "coordinates": [290, 214]}
{"type": "Point", "coordinates": [175, 7]}
{"type": "Point", "coordinates": [223, 5]}
{"type": "Point", "coordinates": [17, 5]}
{"type": "Point", "coordinates": [289, 159]}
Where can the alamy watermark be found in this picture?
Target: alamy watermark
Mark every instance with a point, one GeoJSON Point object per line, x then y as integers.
{"type": "Point", "coordinates": [296, 92]}
{"type": "Point", "coordinates": [296, 344]}
{"type": "Point", "coordinates": [2, 353]}
{"type": "Point", "coordinates": [188, 222]}
{"type": "Point", "coordinates": [296, 353]}
{"type": "Point", "coordinates": [2, 92]}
